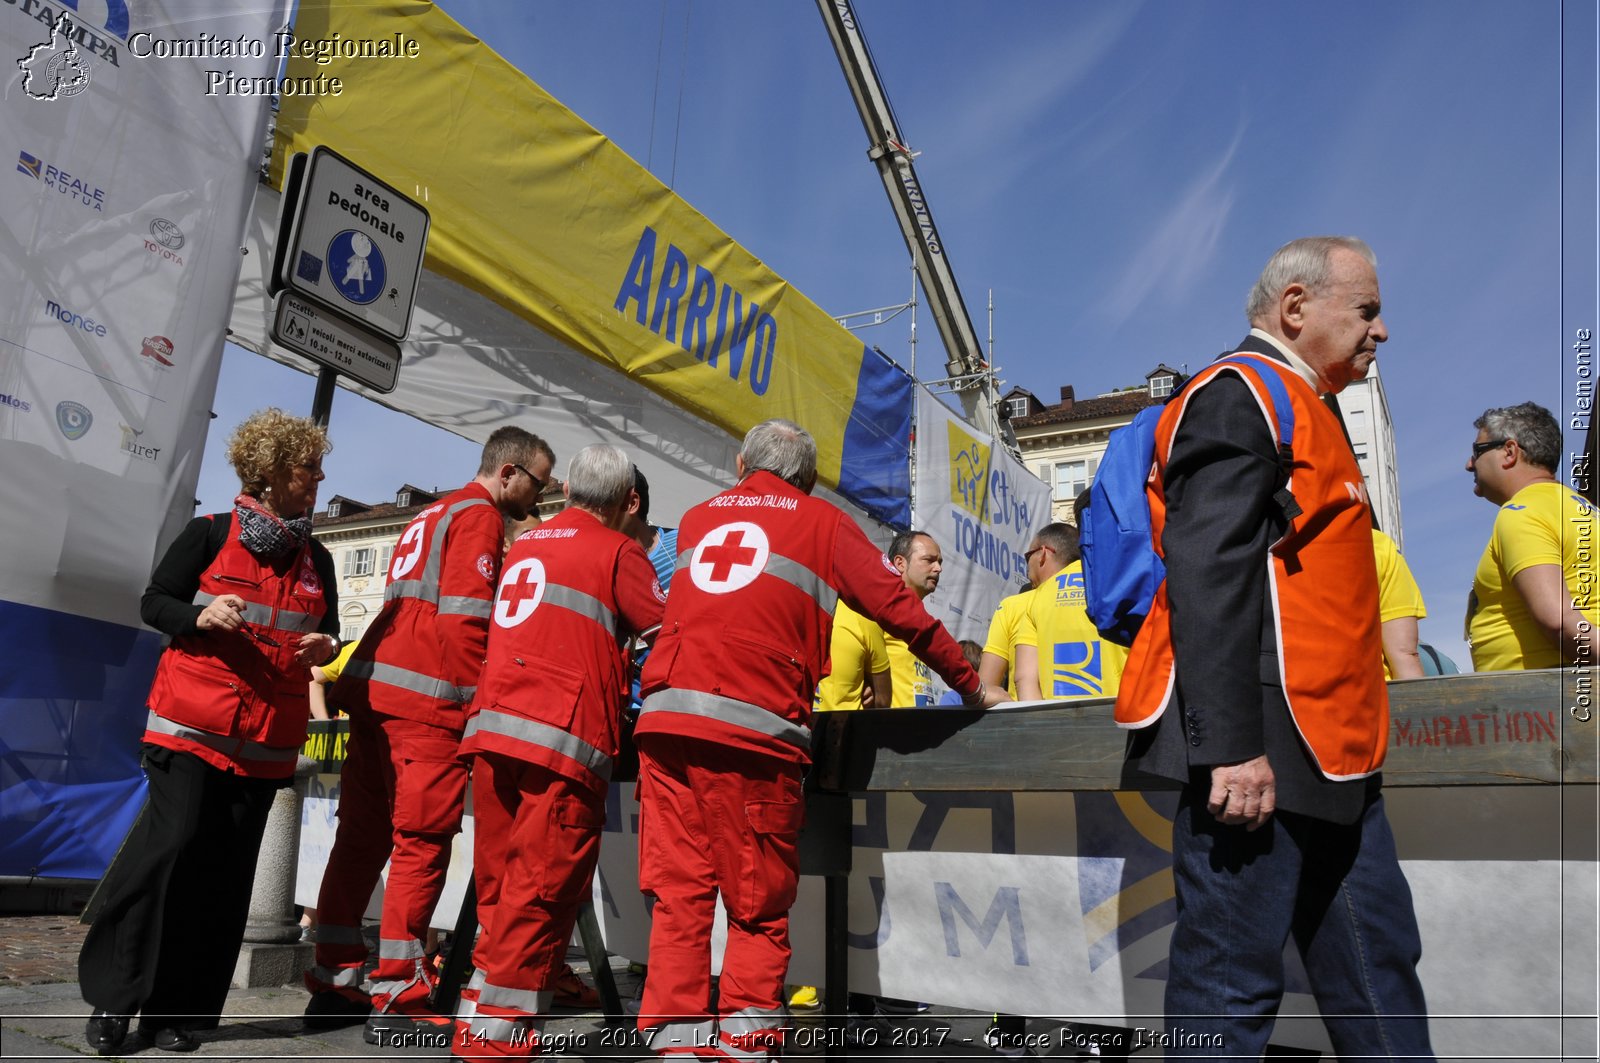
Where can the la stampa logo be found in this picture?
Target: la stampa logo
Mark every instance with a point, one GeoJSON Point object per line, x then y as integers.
{"type": "Point", "coordinates": [54, 69]}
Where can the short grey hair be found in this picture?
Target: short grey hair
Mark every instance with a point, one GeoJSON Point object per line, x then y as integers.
{"type": "Point", "coordinates": [599, 477]}
{"type": "Point", "coordinates": [784, 449]}
{"type": "Point", "coordinates": [1533, 427]}
{"type": "Point", "coordinates": [1302, 261]}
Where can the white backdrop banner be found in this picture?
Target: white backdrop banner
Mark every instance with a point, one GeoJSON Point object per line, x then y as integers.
{"type": "Point", "coordinates": [982, 506]}
{"type": "Point", "coordinates": [1062, 904]}
{"type": "Point", "coordinates": [126, 186]}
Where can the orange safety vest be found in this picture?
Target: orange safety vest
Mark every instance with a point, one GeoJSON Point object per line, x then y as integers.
{"type": "Point", "coordinates": [237, 702]}
{"type": "Point", "coordinates": [1323, 584]}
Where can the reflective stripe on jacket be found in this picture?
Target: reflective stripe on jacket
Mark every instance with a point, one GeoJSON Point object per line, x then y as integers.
{"type": "Point", "coordinates": [237, 699]}
{"type": "Point", "coordinates": [573, 595]}
{"type": "Point", "coordinates": [747, 625]}
{"type": "Point", "coordinates": [421, 657]}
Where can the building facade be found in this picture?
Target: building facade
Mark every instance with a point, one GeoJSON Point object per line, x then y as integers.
{"type": "Point", "coordinates": [1062, 443]}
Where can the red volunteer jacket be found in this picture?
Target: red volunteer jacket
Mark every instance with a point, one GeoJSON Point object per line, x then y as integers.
{"type": "Point", "coordinates": [235, 701]}
{"type": "Point", "coordinates": [421, 657]}
{"type": "Point", "coordinates": [573, 595]}
{"type": "Point", "coordinates": [747, 625]}
{"type": "Point", "coordinates": [1323, 583]}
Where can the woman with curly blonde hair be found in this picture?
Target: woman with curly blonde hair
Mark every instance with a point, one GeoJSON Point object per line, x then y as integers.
{"type": "Point", "coordinates": [249, 601]}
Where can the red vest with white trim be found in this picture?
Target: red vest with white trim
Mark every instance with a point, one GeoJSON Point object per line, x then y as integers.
{"type": "Point", "coordinates": [421, 657]}
{"type": "Point", "coordinates": [750, 615]}
{"type": "Point", "coordinates": [573, 594]}
{"type": "Point", "coordinates": [236, 700]}
{"type": "Point", "coordinates": [1322, 580]}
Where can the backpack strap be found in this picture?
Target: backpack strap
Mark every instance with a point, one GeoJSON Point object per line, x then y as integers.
{"type": "Point", "coordinates": [1283, 412]}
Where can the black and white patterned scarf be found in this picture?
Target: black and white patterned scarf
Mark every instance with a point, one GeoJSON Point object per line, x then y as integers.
{"type": "Point", "coordinates": [265, 534]}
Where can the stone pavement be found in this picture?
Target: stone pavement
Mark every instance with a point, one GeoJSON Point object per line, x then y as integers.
{"type": "Point", "coordinates": [42, 1017]}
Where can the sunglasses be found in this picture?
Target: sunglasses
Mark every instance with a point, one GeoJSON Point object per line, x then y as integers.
{"type": "Point", "coordinates": [542, 485]}
{"type": "Point", "coordinates": [265, 640]}
{"type": "Point", "coordinates": [1480, 449]}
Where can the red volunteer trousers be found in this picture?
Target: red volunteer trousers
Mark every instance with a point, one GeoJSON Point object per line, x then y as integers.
{"type": "Point", "coordinates": [402, 791]}
{"type": "Point", "coordinates": [715, 819]}
{"type": "Point", "coordinates": [536, 843]}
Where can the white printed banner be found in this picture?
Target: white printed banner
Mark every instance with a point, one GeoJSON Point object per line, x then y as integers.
{"type": "Point", "coordinates": [126, 188]}
{"type": "Point", "coordinates": [982, 506]}
{"type": "Point", "coordinates": [1062, 904]}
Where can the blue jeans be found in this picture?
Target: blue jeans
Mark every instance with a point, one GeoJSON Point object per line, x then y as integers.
{"type": "Point", "coordinates": [1337, 889]}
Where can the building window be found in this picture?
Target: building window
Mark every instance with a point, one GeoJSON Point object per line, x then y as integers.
{"type": "Point", "coordinates": [402, 500]}
{"type": "Point", "coordinates": [383, 559]}
{"type": "Point", "coordinates": [353, 621]}
{"type": "Point", "coordinates": [1160, 386]}
{"type": "Point", "coordinates": [333, 508]}
{"type": "Point", "coordinates": [359, 561]}
{"type": "Point", "coordinates": [1017, 407]}
{"type": "Point", "coordinates": [1356, 420]}
{"type": "Point", "coordinates": [1072, 477]}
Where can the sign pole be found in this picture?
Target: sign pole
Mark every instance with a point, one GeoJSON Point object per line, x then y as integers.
{"type": "Point", "coordinates": [322, 402]}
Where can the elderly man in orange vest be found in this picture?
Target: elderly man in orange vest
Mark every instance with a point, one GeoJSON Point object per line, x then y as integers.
{"type": "Point", "coordinates": [1254, 683]}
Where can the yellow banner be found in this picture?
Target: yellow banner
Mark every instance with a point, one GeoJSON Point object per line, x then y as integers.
{"type": "Point", "coordinates": [538, 211]}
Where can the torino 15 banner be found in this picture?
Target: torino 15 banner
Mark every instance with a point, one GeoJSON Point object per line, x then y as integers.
{"type": "Point", "coordinates": [982, 505]}
{"type": "Point", "coordinates": [127, 178]}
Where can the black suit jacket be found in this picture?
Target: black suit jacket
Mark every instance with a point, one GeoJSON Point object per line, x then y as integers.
{"type": "Point", "coordinates": [1228, 707]}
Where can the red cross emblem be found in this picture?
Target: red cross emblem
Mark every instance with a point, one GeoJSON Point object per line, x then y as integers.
{"type": "Point", "coordinates": [521, 590]}
{"type": "Point", "coordinates": [729, 558]}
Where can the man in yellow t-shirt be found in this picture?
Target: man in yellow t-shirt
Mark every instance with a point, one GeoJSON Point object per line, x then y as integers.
{"type": "Point", "coordinates": [896, 678]}
{"type": "Point", "coordinates": [323, 677]}
{"type": "Point", "coordinates": [1399, 608]}
{"type": "Point", "coordinates": [1533, 602]}
{"type": "Point", "coordinates": [998, 666]}
{"type": "Point", "coordinates": [1072, 660]}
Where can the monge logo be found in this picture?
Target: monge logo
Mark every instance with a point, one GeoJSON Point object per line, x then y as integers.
{"type": "Point", "coordinates": [73, 319]}
{"type": "Point", "coordinates": [969, 472]}
{"type": "Point", "coordinates": [73, 418]}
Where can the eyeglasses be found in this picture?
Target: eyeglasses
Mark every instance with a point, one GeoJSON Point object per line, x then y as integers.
{"type": "Point", "coordinates": [1029, 555]}
{"type": "Point", "coordinates": [542, 485]}
{"type": "Point", "coordinates": [1480, 449]}
{"type": "Point", "coordinates": [314, 468]}
{"type": "Point", "coordinates": [265, 640]}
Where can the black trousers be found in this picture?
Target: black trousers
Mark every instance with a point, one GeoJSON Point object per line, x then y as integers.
{"type": "Point", "coordinates": [177, 895]}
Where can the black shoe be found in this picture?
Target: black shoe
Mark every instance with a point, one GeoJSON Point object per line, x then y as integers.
{"type": "Point", "coordinates": [105, 1032]}
{"type": "Point", "coordinates": [329, 1010]}
{"type": "Point", "coordinates": [169, 1038]}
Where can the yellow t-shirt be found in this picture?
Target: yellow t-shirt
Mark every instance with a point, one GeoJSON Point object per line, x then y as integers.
{"type": "Point", "coordinates": [1074, 661]}
{"type": "Point", "coordinates": [1542, 524]}
{"type": "Point", "coordinates": [856, 650]}
{"type": "Point", "coordinates": [913, 680]}
{"type": "Point", "coordinates": [1005, 631]}
{"type": "Point", "coordinates": [1398, 593]}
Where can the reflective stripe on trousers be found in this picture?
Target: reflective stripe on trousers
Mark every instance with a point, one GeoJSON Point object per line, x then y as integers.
{"type": "Point", "coordinates": [492, 721]}
{"type": "Point", "coordinates": [680, 1038]}
{"type": "Point", "coordinates": [728, 710]}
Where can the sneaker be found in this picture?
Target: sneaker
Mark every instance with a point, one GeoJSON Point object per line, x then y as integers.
{"type": "Point", "coordinates": [328, 1009]}
{"type": "Point", "coordinates": [572, 992]}
{"type": "Point", "coordinates": [896, 1006]}
{"type": "Point", "coordinates": [805, 998]}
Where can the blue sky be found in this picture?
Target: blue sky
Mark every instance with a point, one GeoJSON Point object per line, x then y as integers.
{"type": "Point", "coordinates": [1117, 173]}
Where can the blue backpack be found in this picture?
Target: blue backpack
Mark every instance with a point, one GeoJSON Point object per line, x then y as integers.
{"type": "Point", "coordinates": [1121, 569]}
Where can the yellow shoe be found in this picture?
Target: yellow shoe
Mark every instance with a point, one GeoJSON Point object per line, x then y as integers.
{"type": "Point", "coordinates": [805, 996]}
